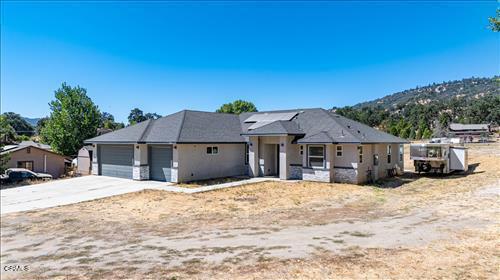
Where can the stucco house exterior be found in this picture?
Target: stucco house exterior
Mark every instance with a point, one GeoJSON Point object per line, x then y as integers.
{"type": "Point", "coordinates": [305, 144]}
{"type": "Point", "coordinates": [36, 157]}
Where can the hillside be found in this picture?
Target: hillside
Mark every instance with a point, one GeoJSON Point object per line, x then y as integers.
{"type": "Point", "coordinates": [466, 88]}
{"type": "Point", "coordinates": [32, 121]}
{"type": "Point", "coordinates": [427, 111]}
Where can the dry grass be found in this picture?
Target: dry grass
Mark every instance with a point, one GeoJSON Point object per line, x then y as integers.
{"type": "Point", "coordinates": [125, 221]}
{"type": "Point", "coordinates": [202, 183]}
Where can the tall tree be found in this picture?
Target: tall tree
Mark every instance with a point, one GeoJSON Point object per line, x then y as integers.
{"type": "Point", "coordinates": [6, 131]}
{"type": "Point", "coordinates": [40, 124]}
{"type": "Point", "coordinates": [19, 124]}
{"type": "Point", "coordinates": [73, 119]}
{"type": "Point", "coordinates": [237, 107]}
{"type": "Point", "coordinates": [108, 121]}
{"type": "Point", "coordinates": [137, 115]}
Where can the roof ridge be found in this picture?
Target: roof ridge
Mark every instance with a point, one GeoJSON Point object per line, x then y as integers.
{"type": "Point", "coordinates": [181, 125]}
{"type": "Point", "coordinates": [146, 130]}
{"type": "Point", "coordinates": [345, 129]}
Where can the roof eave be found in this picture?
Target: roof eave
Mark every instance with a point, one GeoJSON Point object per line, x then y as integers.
{"type": "Point", "coordinates": [272, 134]}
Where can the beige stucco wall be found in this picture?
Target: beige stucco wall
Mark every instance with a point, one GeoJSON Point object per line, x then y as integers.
{"type": "Point", "coordinates": [193, 162]}
{"type": "Point", "coordinates": [268, 157]}
{"type": "Point", "coordinates": [54, 164]}
{"type": "Point", "coordinates": [349, 156]}
{"type": "Point", "coordinates": [350, 160]}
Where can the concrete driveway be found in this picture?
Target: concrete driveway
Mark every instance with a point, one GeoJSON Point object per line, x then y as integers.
{"type": "Point", "coordinates": [68, 191]}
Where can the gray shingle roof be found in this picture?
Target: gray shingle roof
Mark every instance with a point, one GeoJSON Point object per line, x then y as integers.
{"type": "Point", "coordinates": [181, 127]}
{"type": "Point", "coordinates": [317, 126]}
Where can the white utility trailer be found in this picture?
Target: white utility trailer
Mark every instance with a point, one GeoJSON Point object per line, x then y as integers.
{"type": "Point", "coordinates": [439, 157]}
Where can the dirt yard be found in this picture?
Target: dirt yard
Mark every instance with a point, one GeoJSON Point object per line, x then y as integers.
{"type": "Point", "coordinates": [411, 227]}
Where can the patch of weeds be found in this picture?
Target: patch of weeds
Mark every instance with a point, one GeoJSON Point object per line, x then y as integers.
{"type": "Point", "coordinates": [361, 234]}
{"type": "Point", "coordinates": [87, 260]}
{"type": "Point", "coordinates": [70, 238]}
{"type": "Point", "coordinates": [339, 241]}
{"type": "Point", "coordinates": [88, 247]}
{"type": "Point", "coordinates": [227, 236]}
{"type": "Point", "coordinates": [69, 220]}
{"type": "Point", "coordinates": [316, 238]}
{"type": "Point", "coordinates": [345, 232]}
{"type": "Point", "coordinates": [255, 233]}
{"type": "Point", "coordinates": [263, 258]}
{"type": "Point", "coordinates": [192, 261]}
{"type": "Point", "coordinates": [232, 260]}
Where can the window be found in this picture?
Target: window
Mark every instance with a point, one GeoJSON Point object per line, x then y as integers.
{"type": "Point", "coordinates": [339, 150]}
{"type": "Point", "coordinates": [375, 159]}
{"type": "Point", "coordinates": [316, 156]}
{"type": "Point", "coordinates": [301, 149]}
{"type": "Point", "coordinates": [247, 153]}
{"type": "Point", "coordinates": [213, 150]}
{"type": "Point", "coordinates": [360, 153]}
{"type": "Point", "coordinates": [28, 150]}
{"type": "Point", "coordinates": [401, 151]}
{"type": "Point", "coordinates": [25, 164]}
{"type": "Point", "coordinates": [389, 153]}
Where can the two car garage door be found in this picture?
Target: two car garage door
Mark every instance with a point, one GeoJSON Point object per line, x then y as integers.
{"type": "Point", "coordinates": [118, 161]}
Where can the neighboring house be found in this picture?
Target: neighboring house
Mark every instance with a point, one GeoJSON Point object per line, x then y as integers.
{"type": "Point", "coordinates": [35, 157]}
{"type": "Point", "coordinates": [307, 144]}
{"type": "Point", "coordinates": [469, 132]}
{"type": "Point", "coordinates": [84, 160]}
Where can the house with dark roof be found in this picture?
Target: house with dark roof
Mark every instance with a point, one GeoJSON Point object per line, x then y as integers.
{"type": "Point", "coordinates": [304, 144]}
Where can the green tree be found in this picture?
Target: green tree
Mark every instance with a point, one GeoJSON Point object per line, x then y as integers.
{"type": "Point", "coordinates": [136, 116]}
{"type": "Point", "coordinates": [19, 124]}
{"type": "Point", "coordinates": [8, 134]}
{"type": "Point", "coordinates": [40, 124]}
{"type": "Point", "coordinates": [152, 116]}
{"type": "Point", "coordinates": [495, 22]}
{"type": "Point", "coordinates": [427, 134]}
{"type": "Point", "coordinates": [4, 159]}
{"type": "Point", "coordinates": [73, 119]}
{"type": "Point", "coordinates": [237, 107]}
{"type": "Point", "coordinates": [108, 121]}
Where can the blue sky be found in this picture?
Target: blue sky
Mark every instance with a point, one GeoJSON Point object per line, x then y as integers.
{"type": "Point", "coordinates": [167, 56]}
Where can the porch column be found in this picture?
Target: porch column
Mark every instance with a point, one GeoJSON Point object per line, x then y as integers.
{"type": "Point", "coordinates": [285, 145]}
{"type": "Point", "coordinates": [329, 161]}
{"type": "Point", "coordinates": [95, 159]}
{"type": "Point", "coordinates": [253, 156]}
{"type": "Point", "coordinates": [141, 166]}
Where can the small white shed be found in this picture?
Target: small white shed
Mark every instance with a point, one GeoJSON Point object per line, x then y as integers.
{"type": "Point", "coordinates": [84, 160]}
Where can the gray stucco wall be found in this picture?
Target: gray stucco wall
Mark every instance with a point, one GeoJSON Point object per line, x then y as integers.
{"type": "Point", "coordinates": [192, 162]}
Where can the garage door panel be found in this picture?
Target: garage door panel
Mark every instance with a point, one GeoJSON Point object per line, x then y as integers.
{"type": "Point", "coordinates": [160, 159]}
{"type": "Point", "coordinates": [117, 161]}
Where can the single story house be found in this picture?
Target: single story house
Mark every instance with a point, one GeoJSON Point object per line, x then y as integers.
{"type": "Point", "coordinates": [469, 132]}
{"type": "Point", "coordinates": [36, 157]}
{"type": "Point", "coordinates": [307, 144]}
